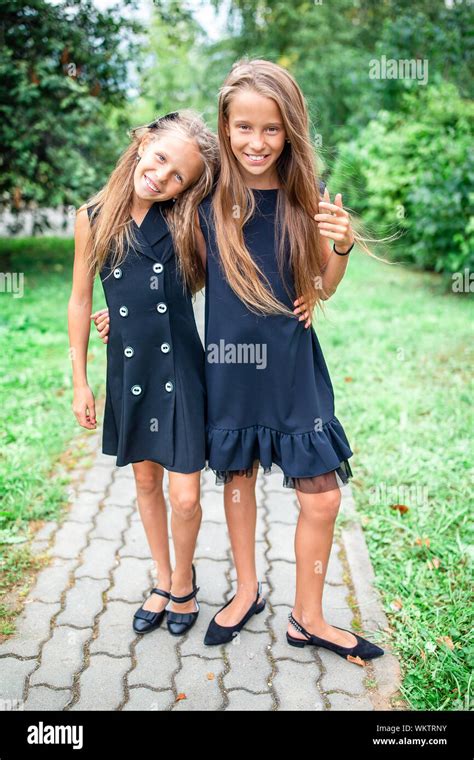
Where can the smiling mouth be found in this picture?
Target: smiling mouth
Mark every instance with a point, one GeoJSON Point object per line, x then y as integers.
{"type": "Point", "coordinates": [256, 159]}
{"type": "Point", "coordinates": [154, 188]}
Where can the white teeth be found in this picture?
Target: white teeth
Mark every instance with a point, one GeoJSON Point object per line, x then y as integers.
{"type": "Point", "coordinates": [151, 185]}
{"type": "Point", "coordinates": [256, 158]}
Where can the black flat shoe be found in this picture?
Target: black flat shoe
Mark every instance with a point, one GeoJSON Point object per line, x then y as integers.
{"type": "Point", "coordinates": [363, 649]}
{"type": "Point", "coordinates": [221, 634]}
{"type": "Point", "coordinates": [180, 622]}
{"type": "Point", "coordinates": [147, 620]}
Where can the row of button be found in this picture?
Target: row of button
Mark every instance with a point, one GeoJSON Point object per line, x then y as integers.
{"type": "Point", "coordinates": [157, 267]}
{"type": "Point", "coordinates": [137, 389]}
{"type": "Point", "coordinates": [129, 352]}
{"type": "Point", "coordinates": [161, 307]}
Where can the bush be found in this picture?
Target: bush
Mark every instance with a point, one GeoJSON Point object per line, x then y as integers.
{"type": "Point", "coordinates": [415, 171]}
{"type": "Point", "coordinates": [17, 254]}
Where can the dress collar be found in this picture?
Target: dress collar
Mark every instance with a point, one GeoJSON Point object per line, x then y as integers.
{"type": "Point", "coordinates": [153, 230]}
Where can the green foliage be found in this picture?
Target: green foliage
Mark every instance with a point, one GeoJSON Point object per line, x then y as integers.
{"type": "Point", "coordinates": [414, 171]}
{"type": "Point", "coordinates": [63, 76]}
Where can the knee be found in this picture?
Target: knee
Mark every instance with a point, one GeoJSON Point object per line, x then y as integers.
{"type": "Point", "coordinates": [326, 507]}
{"type": "Point", "coordinates": [185, 504]}
{"type": "Point", "coordinates": [147, 484]}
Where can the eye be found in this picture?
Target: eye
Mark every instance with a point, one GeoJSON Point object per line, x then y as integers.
{"type": "Point", "coordinates": [160, 156]}
{"type": "Point", "coordinates": [179, 177]}
{"type": "Point", "coordinates": [243, 126]}
{"type": "Point", "coordinates": [274, 130]}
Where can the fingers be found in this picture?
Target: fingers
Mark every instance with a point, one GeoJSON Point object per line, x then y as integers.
{"type": "Point", "coordinates": [97, 314]}
{"type": "Point", "coordinates": [85, 419]}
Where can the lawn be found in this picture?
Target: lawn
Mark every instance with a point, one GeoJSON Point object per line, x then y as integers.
{"type": "Point", "coordinates": [399, 351]}
{"type": "Point", "coordinates": [398, 347]}
{"type": "Point", "coordinates": [40, 439]}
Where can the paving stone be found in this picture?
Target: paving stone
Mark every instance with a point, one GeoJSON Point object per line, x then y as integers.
{"type": "Point", "coordinates": [280, 647]}
{"type": "Point", "coordinates": [131, 580]}
{"type": "Point", "coordinates": [101, 683]}
{"type": "Point", "coordinates": [61, 657]}
{"type": "Point", "coordinates": [147, 699]}
{"type": "Point", "coordinates": [83, 602]}
{"type": "Point", "coordinates": [344, 702]}
{"type": "Point", "coordinates": [110, 523]}
{"type": "Point", "coordinates": [198, 679]}
{"type": "Point", "coordinates": [52, 581]}
{"type": "Point", "coordinates": [32, 628]}
{"type": "Point", "coordinates": [115, 631]}
{"type": "Point", "coordinates": [97, 479]}
{"type": "Point", "coordinates": [98, 558]}
{"type": "Point", "coordinates": [341, 675]}
{"type": "Point", "coordinates": [136, 543]}
{"type": "Point", "coordinates": [296, 686]}
{"type": "Point", "coordinates": [84, 506]}
{"type": "Point", "coordinates": [122, 493]}
{"type": "Point", "coordinates": [249, 663]}
{"type": "Point", "coordinates": [70, 539]}
{"type": "Point", "coordinates": [156, 659]}
{"type": "Point", "coordinates": [212, 541]}
{"type": "Point", "coordinates": [239, 699]}
{"type": "Point", "coordinates": [43, 698]}
{"type": "Point", "coordinates": [13, 675]}
{"type": "Point", "coordinates": [281, 538]}
{"type": "Point", "coordinates": [282, 507]}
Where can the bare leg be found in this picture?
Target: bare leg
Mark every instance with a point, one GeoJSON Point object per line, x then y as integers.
{"type": "Point", "coordinates": [186, 516]}
{"type": "Point", "coordinates": [313, 542]}
{"type": "Point", "coordinates": [152, 508]}
{"type": "Point", "coordinates": [241, 515]}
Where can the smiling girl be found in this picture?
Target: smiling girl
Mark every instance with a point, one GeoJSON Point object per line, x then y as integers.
{"type": "Point", "coordinates": [266, 234]}
{"type": "Point", "coordinates": [137, 233]}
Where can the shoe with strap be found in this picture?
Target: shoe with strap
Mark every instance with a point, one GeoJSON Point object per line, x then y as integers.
{"type": "Point", "coordinates": [363, 649]}
{"type": "Point", "coordinates": [180, 622]}
{"type": "Point", "coordinates": [221, 634]}
{"type": "Point", "coordinates": [147, 620]}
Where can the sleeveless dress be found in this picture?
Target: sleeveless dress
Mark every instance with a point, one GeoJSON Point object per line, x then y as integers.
{"type": "Point", "coordinates": [155, 388]}
{"type": "Point", "coordinates": [270, 399]}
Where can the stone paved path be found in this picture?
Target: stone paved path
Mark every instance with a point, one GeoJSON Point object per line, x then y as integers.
{"type": "Point", "coordinates": [75, 649]}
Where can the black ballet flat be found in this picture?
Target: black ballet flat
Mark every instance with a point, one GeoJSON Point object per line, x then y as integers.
{"type": "Point", "coordinates": [180, 622]}
{"type": "Point", "coordinates": [147, 620]}
{"type": "Point", "coordinates": [363, 649]}
{"type": "Point", "coordinates": [222, 634]}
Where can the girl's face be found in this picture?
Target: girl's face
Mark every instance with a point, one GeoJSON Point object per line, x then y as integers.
{"type": "Point", "coordinates": [257, 135]}
{"type": "Point", "coordinates": [168, 165]}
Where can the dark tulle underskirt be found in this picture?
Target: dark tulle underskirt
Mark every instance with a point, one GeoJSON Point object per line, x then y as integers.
{"type": "Point", "coordinates": [326, 481]}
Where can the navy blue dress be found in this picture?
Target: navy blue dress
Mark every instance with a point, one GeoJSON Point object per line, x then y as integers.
{"type": "Point", "coordinates": [155, 390]}
{"type": "Point", "coordinates": [270, 399]}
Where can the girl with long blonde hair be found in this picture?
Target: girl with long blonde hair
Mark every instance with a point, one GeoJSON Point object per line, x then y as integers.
{"type": "Point", "coordinates": [137, 233]}
{"type": "Point", "coordinates": [264, 234]}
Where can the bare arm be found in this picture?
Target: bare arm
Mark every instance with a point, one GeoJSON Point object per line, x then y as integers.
{"type": "Point", "coordinates": [79, 311]}
{"type": "Point", "coordinates": [337, 228]}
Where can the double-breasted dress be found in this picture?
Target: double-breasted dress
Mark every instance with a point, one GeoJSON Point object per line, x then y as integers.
{"type": "Point", "coordinates": [155, 387]}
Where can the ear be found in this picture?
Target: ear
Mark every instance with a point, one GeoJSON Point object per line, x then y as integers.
{"type": "Point", "coordinates": [144, 143]}
{"type": "Point", "coordinates": [226, 127]}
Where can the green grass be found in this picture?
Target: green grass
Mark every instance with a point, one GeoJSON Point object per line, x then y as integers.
{"type": "Point", "coordinates": [399, 351]}
{"type": "Point", "coordinates": [38, 431]}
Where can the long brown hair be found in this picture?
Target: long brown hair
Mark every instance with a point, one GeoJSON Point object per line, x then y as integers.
{"type": "Point", "coordinates": [112, 230]}
{"type": "Point", "coordinates": [297, 204]}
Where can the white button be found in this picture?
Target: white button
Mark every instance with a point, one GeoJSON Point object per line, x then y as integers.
{"type": "Point", "coordinates": [136, 390]}
{"type": "Point", "coordinates": [169, 386]}
{"type": "Point", "coordinates": [162, 307]}
{"type": "Point", "coordinates": [129, 351]}
{"type": "Point", "coordinates": [165, 347]}
{"type": "Point", "coordinates": [117, 273]}
{"type": "Point", "coordinates": [123, 311]}
{"type": "Point", "coordinates": [158, 268]}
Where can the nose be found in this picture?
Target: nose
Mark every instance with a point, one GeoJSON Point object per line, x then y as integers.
{"type": "Point", "coordinates": [257, 142]}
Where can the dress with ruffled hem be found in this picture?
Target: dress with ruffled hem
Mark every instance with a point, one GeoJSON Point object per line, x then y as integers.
{"type": "Point", "coordinates": [270, 399]}
{"type": "Point", "coordinates": [294, 454]}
